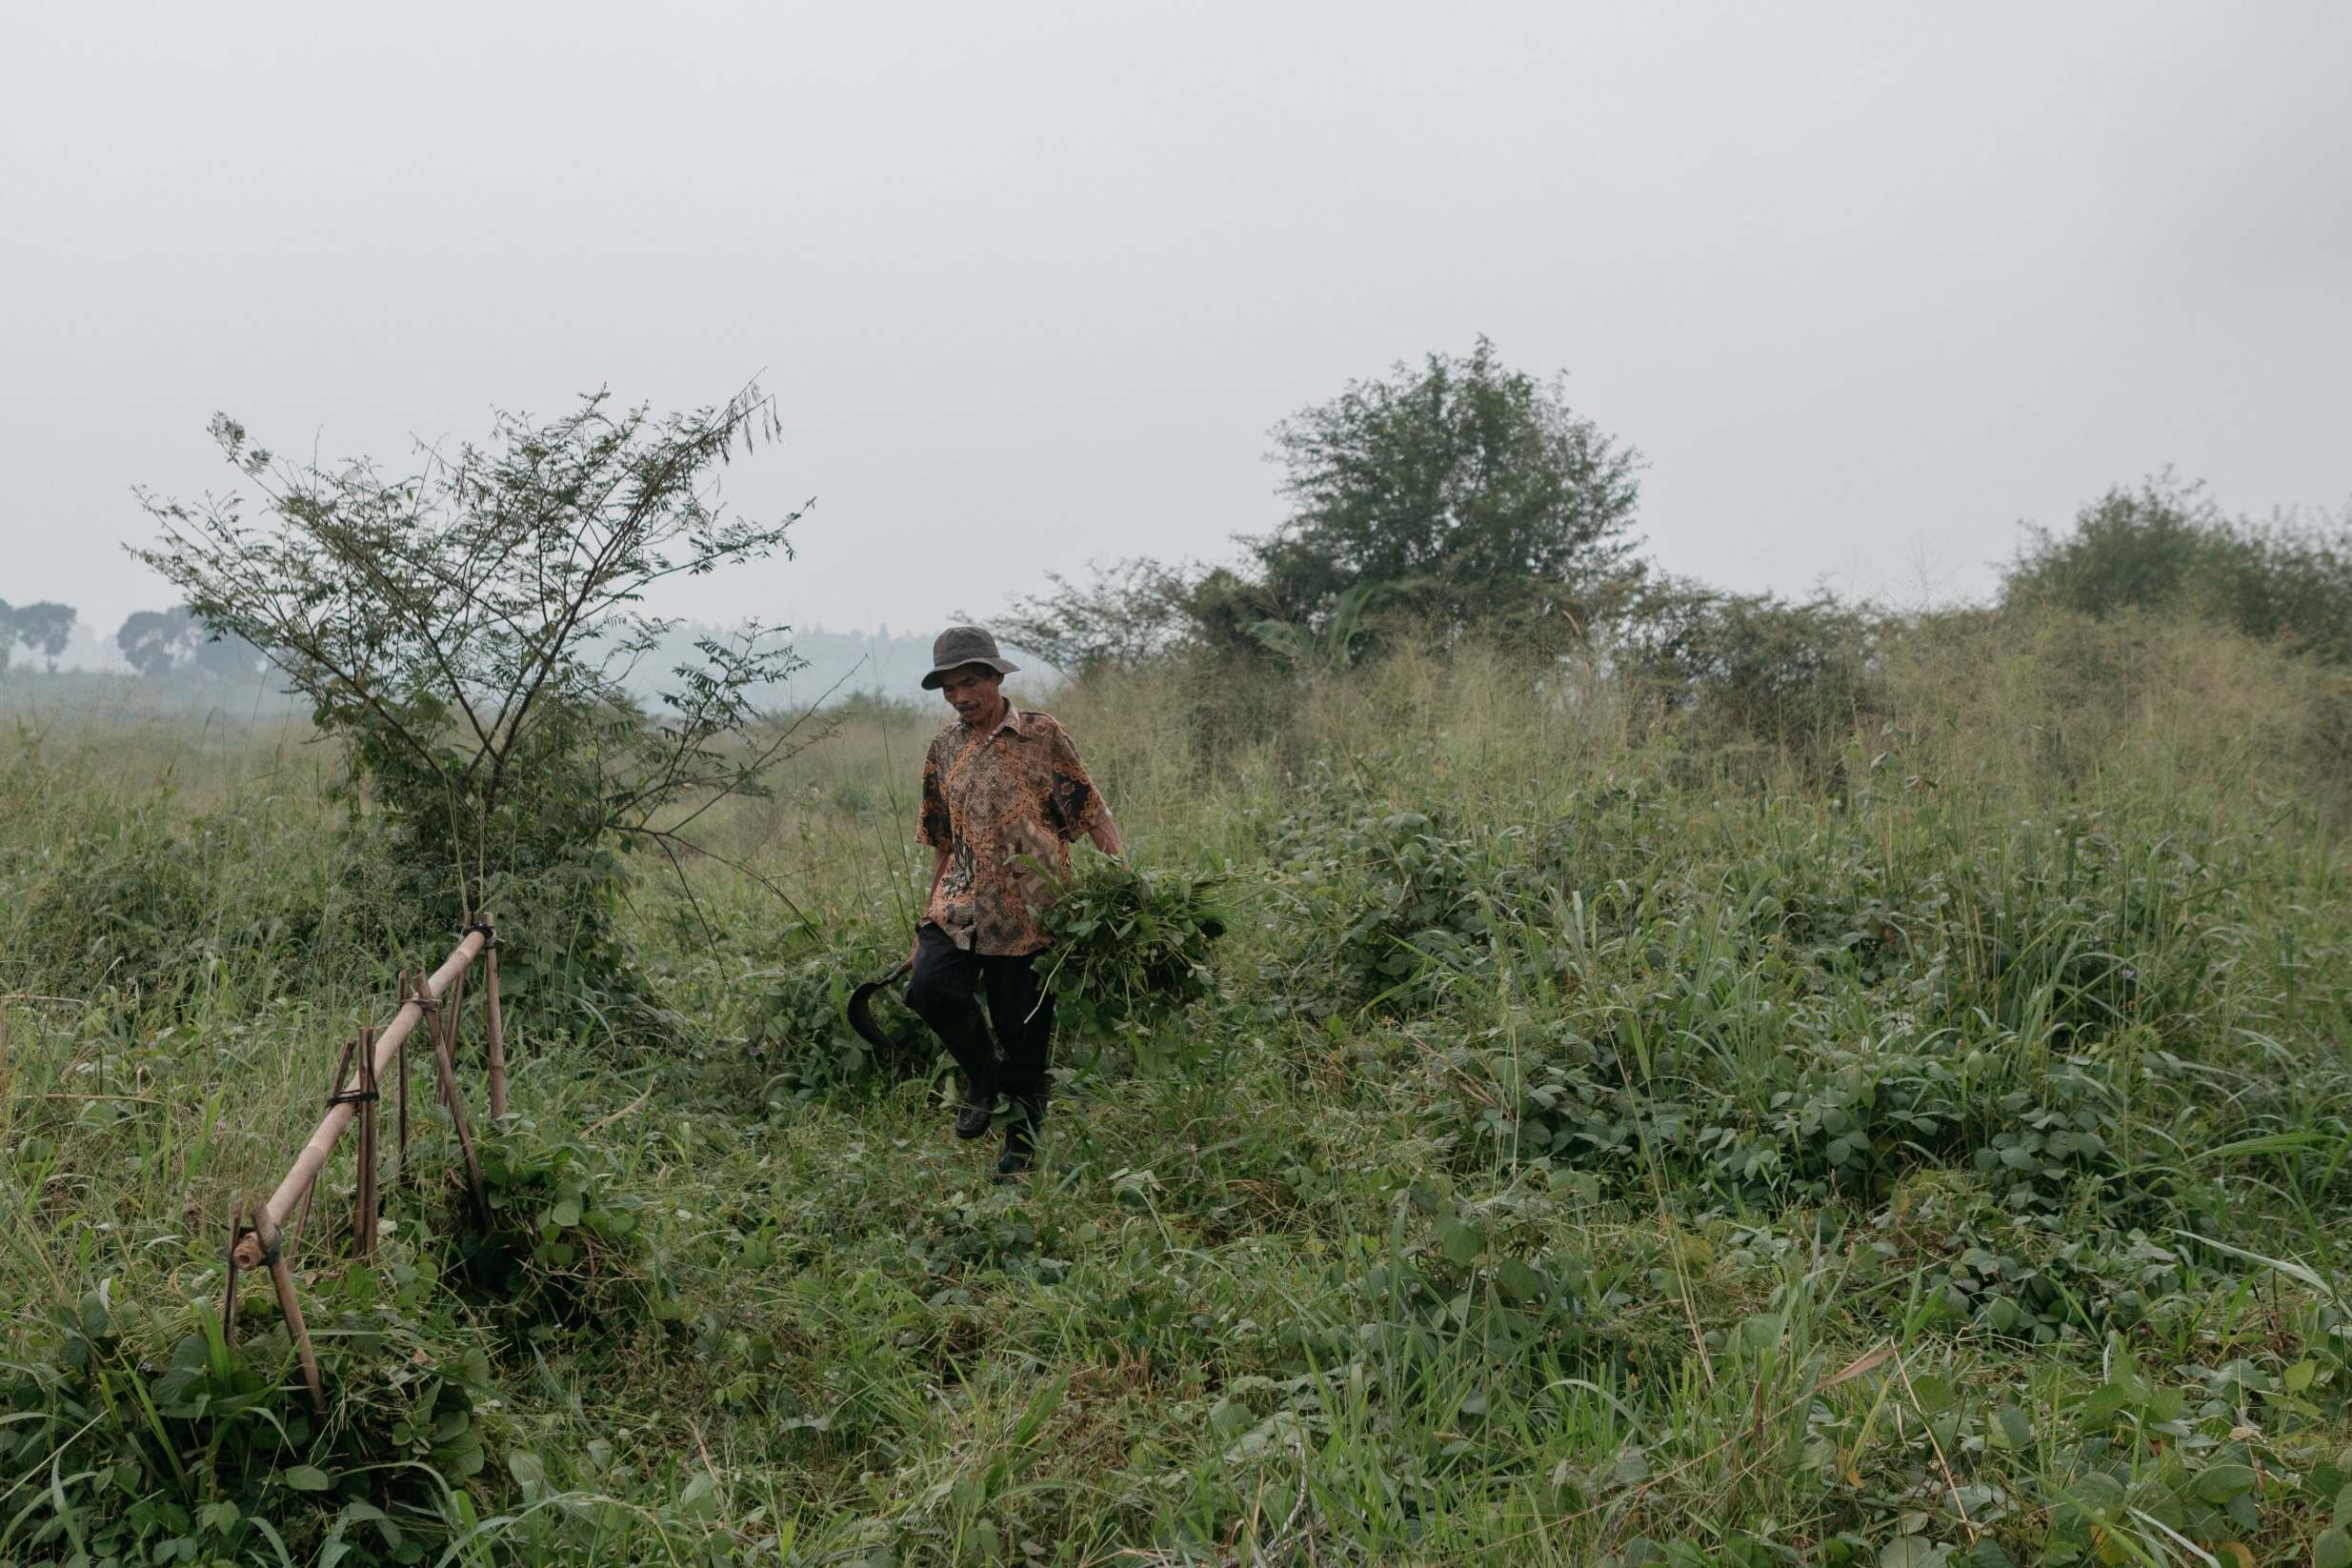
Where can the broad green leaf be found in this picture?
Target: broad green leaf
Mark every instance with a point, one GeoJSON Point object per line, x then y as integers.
{"type": "Point", "coordinates": [1460, 1244]}
{"type": "Point", "coordinates": [2218, 1483]}
{"type": "Point", "coordinates": [1932, 1394]}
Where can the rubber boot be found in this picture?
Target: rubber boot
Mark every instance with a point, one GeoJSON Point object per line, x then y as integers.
{"type": "Point", "coordinates": [1021, 1135]}
{"type": "Point", "coordinates": [972, 1115]}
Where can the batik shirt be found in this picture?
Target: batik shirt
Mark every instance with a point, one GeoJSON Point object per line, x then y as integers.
{"type": "Point", "coordinates": [1005, 806]}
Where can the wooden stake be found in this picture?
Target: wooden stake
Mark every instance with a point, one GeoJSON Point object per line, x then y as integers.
{"type": "Point", "coordinates": [266, 1230]}
{"type": "Point", "coordinates": [364, 1203]}
{"type": "Point", "coordinates": [495, 1026]}
{"type": "Point", "coordinates": [465, 1134]}
{"type": "Point", "coordinates": [229, 1298]}
{"type": "Point", "coordinates": [301, 1227]}
{"type": "Point", "coordinates": [400, 1160]}
{"type": "Point", "coordinates": [452, 1008]}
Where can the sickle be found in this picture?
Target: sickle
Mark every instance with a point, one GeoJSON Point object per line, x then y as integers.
{"type": "Point", "coordinates": [861, 1012]}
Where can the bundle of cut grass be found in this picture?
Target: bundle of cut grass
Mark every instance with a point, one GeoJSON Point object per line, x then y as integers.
{"type": "Point", "coordinates": [1130, 947]}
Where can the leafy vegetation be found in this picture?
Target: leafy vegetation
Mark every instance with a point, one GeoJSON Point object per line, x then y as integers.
{"type": "Point", "coordinates": [1581, 1067]}
{"type": "Point", "coordinates": [1920, 1142]}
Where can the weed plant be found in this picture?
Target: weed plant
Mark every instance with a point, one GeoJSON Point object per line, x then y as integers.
{"type": "Point", "coordinates": [1132, 950]}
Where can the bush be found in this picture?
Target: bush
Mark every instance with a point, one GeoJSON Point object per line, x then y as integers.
{"type": "Point", "coordinates": [800, 1028]}
{"type": "Point", "coordinates": [1377, 899]}
{"type": "Point", "coordinates": [2166, 547]}
{"type": "Point", "coordinates": [151, 1438]}
{"type": "Point", "coordinates": [468, 633]}
{"type": "Point", "coordinates": [126, 905]}
{"type": "Point", "coordinates": [566, 1246]}
{"type": "Point", "coordinates": [1752, 668]}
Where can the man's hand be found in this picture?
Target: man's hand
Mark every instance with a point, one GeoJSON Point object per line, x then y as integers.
{"type": "Point", "coordinates": [1105, 837]}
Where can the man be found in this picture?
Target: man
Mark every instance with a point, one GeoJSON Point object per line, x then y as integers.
{"type": "Point", "coordinates": [1003, 795]}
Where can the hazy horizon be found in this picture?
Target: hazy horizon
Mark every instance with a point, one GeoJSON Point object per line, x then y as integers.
{"type": "Point", "coordinates": [1867, 286]}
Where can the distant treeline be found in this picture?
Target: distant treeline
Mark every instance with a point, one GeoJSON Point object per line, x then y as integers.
{"type": "Point", "coordinates": [173, 649]}
{"type": "Point", "coordinates": [157, 644]}
{"type": "Point", "coordinates": [1461, 499]}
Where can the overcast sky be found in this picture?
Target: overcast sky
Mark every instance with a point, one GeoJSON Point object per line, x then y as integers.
{"type": "Point", "coordinates": [1868, 284]}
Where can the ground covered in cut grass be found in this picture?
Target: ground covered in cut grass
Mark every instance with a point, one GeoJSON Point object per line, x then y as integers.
{"type": "Point", "coordinates": [1581, 1148]}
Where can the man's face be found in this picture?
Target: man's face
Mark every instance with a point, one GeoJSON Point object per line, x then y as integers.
{"type": "Point", "coordinates": [972, 691]}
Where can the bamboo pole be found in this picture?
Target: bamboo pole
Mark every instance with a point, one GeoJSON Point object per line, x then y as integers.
{"type": "Point", "coordinates": [494, 1027]}
{"type": "Point", "coordinates": [266, 1232]}
{"type": "Point", "coordinates": [228, 1295]}
{"type": "Point", "coordinates": [400, 1155]}
{"type": "Point", "coordinates": [363, 1200]}
{"type": "Point", "coordinates": [457, 1117]}
{"type": "Point", "coordinates": [453, 1009]}
{"type": "Point", "coordinates": [322, 1141]}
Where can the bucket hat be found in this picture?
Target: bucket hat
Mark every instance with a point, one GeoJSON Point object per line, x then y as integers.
{"type": "Point", "coordinates": [960, 645]}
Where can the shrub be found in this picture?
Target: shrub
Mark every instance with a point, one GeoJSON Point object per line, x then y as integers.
{"type": "Point", "coordinates": [467, 633]}
{"type": "Point", "coordinates": [2166, 547]}
{"type": "Point", "coordinates": [566, 1247]}
{"type": "Point", "coordinates": [1375, 899]}
{"type": "Point", "coordinates": [142, 1437]}
{"type": "Point", "coordinates": [1752, 668]}
{"type": "Point", "coordinates": [799, 1026]}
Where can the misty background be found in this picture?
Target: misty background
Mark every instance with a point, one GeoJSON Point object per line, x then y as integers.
{"type": "Point", "coordinates": [1867, 286]}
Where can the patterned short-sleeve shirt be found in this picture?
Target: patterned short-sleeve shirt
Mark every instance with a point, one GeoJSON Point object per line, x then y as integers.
{"type": "Point", "coordinates": [995, 802]}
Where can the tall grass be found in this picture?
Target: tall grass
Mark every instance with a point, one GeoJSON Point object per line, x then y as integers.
{"type": "Point", "coordinates": [1923, 1139]}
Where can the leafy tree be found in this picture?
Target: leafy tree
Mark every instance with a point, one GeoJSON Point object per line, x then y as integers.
{"type": "Point", "coordinates": [44, 628]}
{"type": "Point", "coordinates": [466, 630]}
{"type": "Point", "coordinates": [155, 642]}
{"type": "Point", "coordinates": [1460, 491]}
{"type": "Point", "coordinates": [1128, 612]}
{"type": "Point", "coordinates": [2166, 547]}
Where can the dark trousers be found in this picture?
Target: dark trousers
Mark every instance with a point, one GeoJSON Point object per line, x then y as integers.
{"type": "Point", "coordinates": [945, 989]}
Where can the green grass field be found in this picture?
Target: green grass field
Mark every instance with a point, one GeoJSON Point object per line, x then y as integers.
{"type": "Point", "coordinates": [1603, 1140]}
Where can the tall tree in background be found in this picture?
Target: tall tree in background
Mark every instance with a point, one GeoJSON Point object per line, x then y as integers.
{"type": "Point", "coordinates": [1460, 491]}
{"type": "Point", "coordinates": [155, 642]}
{"type": "Point", "coordinates": [467, 631]}
{"type": "Point", "coordinates": [44, 628]}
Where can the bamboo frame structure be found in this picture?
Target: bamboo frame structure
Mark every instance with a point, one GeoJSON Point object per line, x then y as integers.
{"type": "Point", "coordinates": [268, 1246]}
{"type": "Point", "coordinates": [400, 1155]}
{"type": "Point", "coordinates": [258, 1234]}
{"type": "Point", "coordinates": [387, 1049]}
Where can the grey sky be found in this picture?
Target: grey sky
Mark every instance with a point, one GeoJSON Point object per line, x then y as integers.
{"type": "Point", "coordinates": [1866, 283]}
